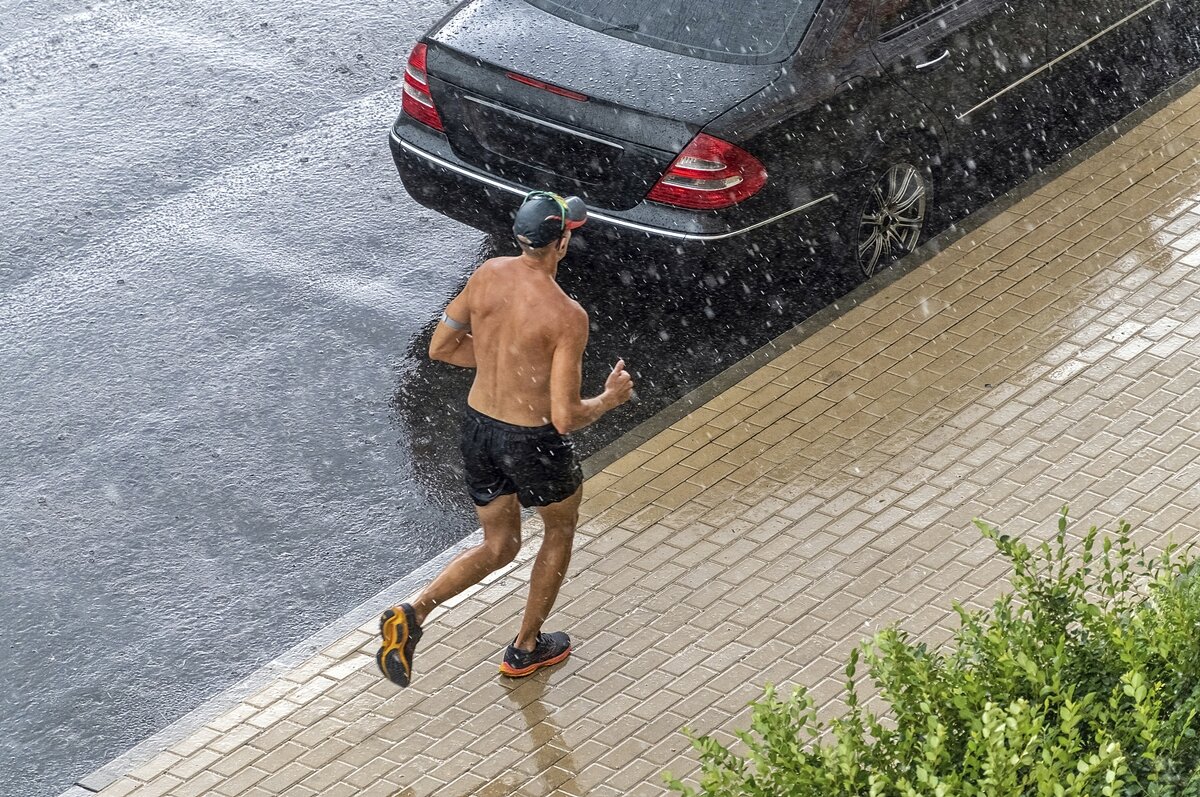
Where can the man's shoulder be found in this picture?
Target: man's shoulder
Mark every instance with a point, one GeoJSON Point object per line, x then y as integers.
{"type": "Point", "coordinates": [572, 321]}
{"type": "Point", "coordinates": [573, 312]}
{"type": "Point", "coordinates": [491, 272]}
{"type": "Point", "coordinates": [490, 267]}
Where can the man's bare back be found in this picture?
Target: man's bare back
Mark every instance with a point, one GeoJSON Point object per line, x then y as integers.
{"type": "Point", "coordinates": [525, 337]}
{"type": "Point", "coordinates": [519, 318]}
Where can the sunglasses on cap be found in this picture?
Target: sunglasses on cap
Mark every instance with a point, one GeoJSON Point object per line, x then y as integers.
{"type": "Point", "coordinates": [573, 210]}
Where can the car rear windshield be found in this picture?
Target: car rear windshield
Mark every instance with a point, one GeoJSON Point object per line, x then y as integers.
{"type": "Point", "coordinates": [741, 31]}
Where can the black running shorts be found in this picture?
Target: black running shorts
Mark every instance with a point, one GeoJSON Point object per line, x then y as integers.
{"type": "Point", "coordinates": [535, 462]}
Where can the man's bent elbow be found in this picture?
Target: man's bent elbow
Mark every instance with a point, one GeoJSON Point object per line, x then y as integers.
{"type": "Point", "coordinates": [564, 423]}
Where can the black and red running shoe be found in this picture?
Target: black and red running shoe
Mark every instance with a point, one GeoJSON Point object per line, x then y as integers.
{"type": "Point", "coordinates": [550, 649]}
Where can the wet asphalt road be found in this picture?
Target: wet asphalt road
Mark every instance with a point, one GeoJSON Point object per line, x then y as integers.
{"type": "Point", "coordinates": [219, 431]}
{"type": "Point", "coordinates": [209, 276]}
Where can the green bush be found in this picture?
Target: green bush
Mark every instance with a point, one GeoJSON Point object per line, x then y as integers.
{"type": "Point", "coordinates": [1083, 680]}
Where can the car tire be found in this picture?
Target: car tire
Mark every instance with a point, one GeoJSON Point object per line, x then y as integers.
{"type": "Point", "coordinates": [890, 211]}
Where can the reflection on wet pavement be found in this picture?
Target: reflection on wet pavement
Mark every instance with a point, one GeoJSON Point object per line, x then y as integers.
{"type": "Point", "coordinates": [553, 765]}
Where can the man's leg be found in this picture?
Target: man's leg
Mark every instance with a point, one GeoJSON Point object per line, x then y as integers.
{"type": "Point", "coordinates": [550, 567]}
{"type": "Point", "coordinates": [501, 521]}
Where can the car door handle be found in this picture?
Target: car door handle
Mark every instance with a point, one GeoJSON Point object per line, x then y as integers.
{"type": "Point", "coordinates": [945, 54]}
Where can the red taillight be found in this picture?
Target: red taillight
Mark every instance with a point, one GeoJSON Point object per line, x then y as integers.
{"type": "Point", "coordinates": [709, 174]}
{"type": "Point", "coordinates": [418, 102]}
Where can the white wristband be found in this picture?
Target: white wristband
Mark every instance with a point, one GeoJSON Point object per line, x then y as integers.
{"type": "Point", "coordinates": [457, 326]}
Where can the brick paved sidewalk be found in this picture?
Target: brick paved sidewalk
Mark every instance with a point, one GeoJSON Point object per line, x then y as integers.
{"type": "Point", "coordinates": [1050, 356]}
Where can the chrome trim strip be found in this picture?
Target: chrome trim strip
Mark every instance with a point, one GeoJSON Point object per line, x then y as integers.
{"type": "Point", "coordinates": [544, 123]}
{"type": "Point", "coordinates": [945, 54]}
{"type": "Point", "coordinates": [1070, 52]}
{"type": "Point", "coordinates": [516, 191]}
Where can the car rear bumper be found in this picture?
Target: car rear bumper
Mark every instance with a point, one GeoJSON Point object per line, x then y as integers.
{"type": "Point", "coordinates": [439, 181]}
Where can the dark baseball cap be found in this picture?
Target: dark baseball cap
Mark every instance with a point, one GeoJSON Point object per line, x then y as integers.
{"type": "Point", "coordinates": [543, 218]}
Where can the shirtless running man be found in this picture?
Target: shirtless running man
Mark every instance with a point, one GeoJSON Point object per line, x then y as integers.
{"type": "Point", "coordinates": [525, 337]}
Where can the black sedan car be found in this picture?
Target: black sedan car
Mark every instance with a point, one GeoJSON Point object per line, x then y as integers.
{"type": "Point", "coordinates": [718, 123]}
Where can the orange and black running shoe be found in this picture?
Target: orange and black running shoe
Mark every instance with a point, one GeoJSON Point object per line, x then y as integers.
{"type": "Point", "coordinates": [400, 631]}
{"type": "Point", "coordinates": [550, 649]}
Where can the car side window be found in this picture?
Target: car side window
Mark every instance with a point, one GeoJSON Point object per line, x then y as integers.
{"type": "Point", "coordinates": [895, 14]}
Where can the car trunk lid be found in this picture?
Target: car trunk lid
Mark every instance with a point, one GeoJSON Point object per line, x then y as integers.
{"type": "Point", "coordinates": [640, 106]}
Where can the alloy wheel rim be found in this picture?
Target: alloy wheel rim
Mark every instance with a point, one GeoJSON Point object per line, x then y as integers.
{"type": "Point", "coordinates": [893, 218]}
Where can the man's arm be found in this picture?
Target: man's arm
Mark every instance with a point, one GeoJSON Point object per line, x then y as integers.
{"type": "Point", "coordinates": [450, 345]}
{"type": "Point", "coordinates": [568, 411]}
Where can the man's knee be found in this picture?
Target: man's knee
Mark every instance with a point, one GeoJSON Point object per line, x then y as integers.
{"type": "Point", "coordinates": [502, 551]}
{"type": "Point", "coordinates": [562, 531]}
